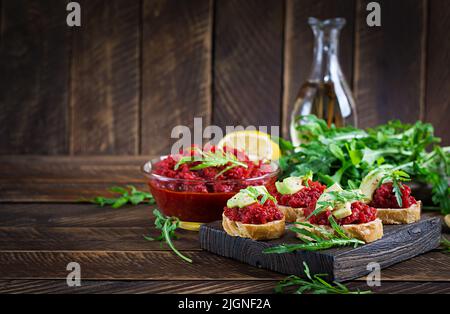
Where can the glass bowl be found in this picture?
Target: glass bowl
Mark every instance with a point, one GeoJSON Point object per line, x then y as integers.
{"type": "Point", "coordinates": [173, 197]}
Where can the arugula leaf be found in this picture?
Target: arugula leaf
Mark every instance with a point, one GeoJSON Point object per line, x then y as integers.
{"type": "Point", "coordinates": [334, 198]}
{"type": "Point", "coordinates": [314, 284]}
{"type": "Point", "coordinates": [345, 155]}
{"type": "Point", "coordinates": [396, 176]}
{"type": "Point", "coordinates": [337, 152]}
{"type": "Point", "coordinates": [206, 159]}
{"type": "Point", "coordinates": [127, 195]}
{"type": "Point", "coordinates": [322, 239]}
{"type": "Point", "coordinates": [445, 245]}
{"type": "Point", "coordinates": [255, 192]}
{"type": "Point", "coordinates": [167, 225]}
{"type": "Point", "coordinates": [337, 228]}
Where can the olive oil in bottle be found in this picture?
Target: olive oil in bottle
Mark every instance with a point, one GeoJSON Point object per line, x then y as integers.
{"type": "Point", "coordinates": [325, 93]}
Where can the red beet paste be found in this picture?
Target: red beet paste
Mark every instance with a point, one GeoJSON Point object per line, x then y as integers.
{"type": "Point", "coordinates": [255, 213]}
{"type": "Point", "coordinates": [384, 197]}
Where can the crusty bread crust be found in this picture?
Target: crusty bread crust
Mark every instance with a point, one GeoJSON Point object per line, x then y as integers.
{"type": "Point", "coordinates": [267, 231]}
{"type": "Point", "coordinates": [447, 220]}
{"type": "Point", "coordinates": [367, 232]}
{"type": "Point", "coordinates": [291, 214]}
{"type": "Point", "coordinates": [397, 216]}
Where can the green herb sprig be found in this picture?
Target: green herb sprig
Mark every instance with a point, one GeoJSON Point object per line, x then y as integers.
{"type": "Point", "coordinates": [255, 192]}
{"type": "Point", "coordinates": [206, 159]}
{"type": "Point", "coordinates": [315, 284]}
{"type": "Point", "coordinates": [167, 225]}
{"type": "Point", "coordinates": [335, 198]}
{"type": "Point", "coordinates": [396, 177]}
{"type": "Point", "coordinates": [445, 244]}
{"type": "Point", "coordinates": [315, 242]}
{"type": "Point", "coordinates": [128, 195]}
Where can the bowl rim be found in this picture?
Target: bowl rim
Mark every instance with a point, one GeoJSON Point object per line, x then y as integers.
{"type": "Point", "coordinates": [146, 168]}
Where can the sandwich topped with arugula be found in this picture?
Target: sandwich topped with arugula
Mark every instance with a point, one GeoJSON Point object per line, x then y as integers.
{"type": "Point", "coordinates": [294, 194]}
{"type": "Point", "coordinates": [253, 213]}
{"type": "Point", "coordinates": [384, 190]}
{"type": "Point", "coordinates": [346, 209]}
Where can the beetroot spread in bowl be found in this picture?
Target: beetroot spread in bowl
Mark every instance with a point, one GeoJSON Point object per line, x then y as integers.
{"type": "Point", "coordinates": [196, 192]}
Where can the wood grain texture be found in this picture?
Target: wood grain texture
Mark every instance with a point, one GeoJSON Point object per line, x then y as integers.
{"type": "Point", "coordinates": [438, 70]}
{"type": "Point", "coordinates": [399, 243]}
{"type": "Point", "coordinates": [164, 265]}
{"type": "Point", "coordinates": [45, 215]}
{"type": "Point", "coordinates": [66, 178]}
{"type": "Point", "coordinates": [34, 67]}
{"type": "Point", "coordinates": [176, 61]}
{"type": "Point", "coordinates": [197, 287]}
{"type": "Point", "coordinates": [299, 44]}
{"type": "Point", "coordinates": [57, 192]}
{"type": "Point", "coordinates": [72, 169]}
{"type": "Point", "coordinates": [389, 63]}
{"type": "Point", "coordinates": [90, 239]}
{"type": "Point", "coordinates": [248, 62]}
{"type": "Point", "coordinates": [431, 266]}
{"type": "Point", "coordinates": [126, 265]}
{"type": "Point", "coordinates": [139, 287]}
{"type": "Point", "coordinates": [68, 227]}
{"type": "Point", "coordinates": [56, 227]}
{"type": "Point", "coordinates": [105, 79]}
{"type": "Point", "coordinates": [50, 235]}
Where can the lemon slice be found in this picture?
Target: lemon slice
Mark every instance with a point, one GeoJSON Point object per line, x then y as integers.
{"type": "Point", "coordinates": [191, 226]}
{"type": "Point", "coordinates": [258, 145]}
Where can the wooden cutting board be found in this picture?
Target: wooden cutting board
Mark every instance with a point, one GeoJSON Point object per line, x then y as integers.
{"type": "Point", "coordinates": [399, 243]}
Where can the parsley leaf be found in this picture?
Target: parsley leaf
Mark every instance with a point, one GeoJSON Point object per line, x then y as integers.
{"type": "Point", "coordinates": [127, 195]}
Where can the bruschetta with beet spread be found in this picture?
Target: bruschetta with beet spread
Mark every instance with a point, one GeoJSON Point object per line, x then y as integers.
{"type": "Point", "coordinates": [357, 219]}
{"type": "Point", "coordinates": [253, 213]}
{"type": "Point", "coordinates": [385, 191]}
{"type": "Point", "coordinates": [294, 194]}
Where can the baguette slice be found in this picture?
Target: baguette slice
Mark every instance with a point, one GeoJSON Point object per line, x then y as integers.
{"type": "Point", "coordinates": [397, 216]}
{"type": "Point", "coordinates": [267, 231]}
{"type": "Point", "coordinates": [367, 232]}
{"type": "Point", "coordinates": [291, 214]}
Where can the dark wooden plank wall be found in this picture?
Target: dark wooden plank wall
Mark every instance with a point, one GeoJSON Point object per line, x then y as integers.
{"type": "Point", "coordinates": [34, 75]}
{"type": "Point", "coordinates": [389, 62]}
{"type": "Point", "coordinates": [118, 84]}
{"type": "Point", "coordinates": [105, 79]}
{"type": "Point", "coordinates": [176, 56]}
{"type": "Point", "coordinates": [248, 62]}
{"type": "Point", "coordinates": [299, 42]}
{"type": "Point", "coordinates": [437, 101]}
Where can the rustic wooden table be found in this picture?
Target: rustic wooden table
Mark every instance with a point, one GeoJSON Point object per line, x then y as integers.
{"type": "Point", "coordinates": [42, 229]}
